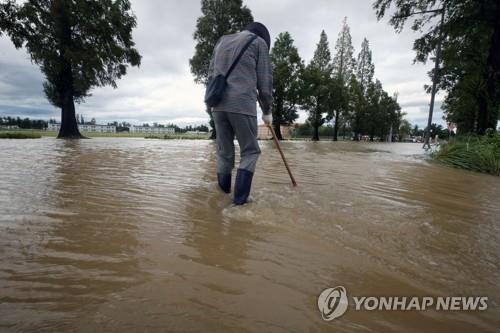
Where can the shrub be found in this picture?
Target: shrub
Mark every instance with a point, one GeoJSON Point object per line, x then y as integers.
{"type": "Point", "coordinates": [481, 154]}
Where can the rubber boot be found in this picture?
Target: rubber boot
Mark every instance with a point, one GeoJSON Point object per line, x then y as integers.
{"type": "Point", "coordinates": [242, 186]}
{"type": "Point", "coordinates": [224, 182]}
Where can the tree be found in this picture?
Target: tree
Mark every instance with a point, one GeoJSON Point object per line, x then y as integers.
{"type": "Point", "coordinates": [438, 130]}
{"type": "Point", "coordinates": [404, 129]}
{"type": "Point", "coordinates": [25, 123]}
{"type": "Point", "coordinates": [77, 44]}
{"type": "Point", "coordinates": [219, 18]}
{"type": "Point", "coordinates": [382, 112]}
{"type": "Point", "coordinates": [464, 81]}
{"type": "Point", "coordinates": [343, 68]}
{"type": "Point", "coordinates": [460, 106]}
{"type": "Point", "coordinates": [316, 85]}
{"type": "Point", "coordinates": [392, 116]}
{"type": "Point", "coordinates": [470, 40]}
{"type": "Point", "coordinates": [357, 107]}
{"type": "Point", "coordinates": [373, 111]}
{"type": "Point", "coordinates": [287, 71]}
{"type": "Point", "coordinates": [358, 89]}
{"type": "Point", "coordinates": [416, 131]}
{"type": "Point", "coordinates": [365, 67]}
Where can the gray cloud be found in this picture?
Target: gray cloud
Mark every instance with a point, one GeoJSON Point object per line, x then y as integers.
{"type": "Point", "coordinates": [163, 90]}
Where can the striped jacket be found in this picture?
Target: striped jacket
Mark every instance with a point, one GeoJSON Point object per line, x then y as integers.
{"type": "Point", "coordinates": [252, 74]}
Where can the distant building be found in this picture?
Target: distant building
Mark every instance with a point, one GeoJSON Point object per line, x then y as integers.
{"type": "Point", "coordinates": [9, 127]}
{"type": "Point", "coordinates": [86, 128]}
{"type": "Point", "coordinates": [196, 133]}
{"type": "Point", "coordinates": [263, 132]}
{"type": "Point", "coordinates": [152, 130]}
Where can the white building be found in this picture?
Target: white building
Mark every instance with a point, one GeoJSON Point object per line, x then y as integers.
{"type": "Point", "coordinates": [86, 128]}
{"type": "Point", "coordinates": [196, 133]}
{"type": "Point", "coordinates": [152, 130]}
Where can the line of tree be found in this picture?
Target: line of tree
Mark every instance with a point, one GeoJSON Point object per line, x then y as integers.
{"type": "Point", "coordinates": [469, 40]}
{"type": "Point", "coordinates": [81, 121]}
{"type": "Point", "coordinates": [188, 128]}
{"type": "Point", "coordinates": [336, 89]}
{"type": "Point", "coordinates": [406, 131]}
{"type": "Point", "coordinates": [25, 123]}
{"type": "Point", "coordinates": [341, 89]}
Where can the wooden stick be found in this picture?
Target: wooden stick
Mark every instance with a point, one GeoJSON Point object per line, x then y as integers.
{"type": "Point", "coordinates": [282, 155]}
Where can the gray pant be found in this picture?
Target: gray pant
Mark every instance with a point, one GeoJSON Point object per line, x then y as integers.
{"type": "Point", "coordinates": [228, 125]}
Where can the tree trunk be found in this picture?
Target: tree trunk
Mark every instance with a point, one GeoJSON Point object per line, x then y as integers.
{"type": "Point", "coordinates": [277, 130]}
{"type": "Point", "coordinates": [65, 80]}
{"type": "Point", "coordinates": [69, 126]}
{"type": "Point", "coordinates": [336, 126]}
{"type": "Point", "coordinates": [211, 123]}
{"type": "Point", "coordinates": [278, 115]}
{"type": "Point", "coordinates": [315, 136]}
{"type": "Point", "coordinates": [316, 120]}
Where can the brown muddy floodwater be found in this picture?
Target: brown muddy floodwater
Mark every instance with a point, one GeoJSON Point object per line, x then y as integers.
{"type": "Point", "coordinates": [132, 235]}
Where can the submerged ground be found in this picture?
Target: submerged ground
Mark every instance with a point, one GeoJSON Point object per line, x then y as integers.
{"type": "Point", "coordinates": [117, 234]}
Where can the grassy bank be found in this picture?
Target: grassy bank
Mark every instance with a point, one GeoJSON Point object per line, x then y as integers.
{"type": "Point", "coordinates": [19, 135]}
{"type": "Point", "coordinates": [481, 154]}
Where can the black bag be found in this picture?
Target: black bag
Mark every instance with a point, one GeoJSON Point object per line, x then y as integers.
{"type": "Point", "coordinates": [217, 85]}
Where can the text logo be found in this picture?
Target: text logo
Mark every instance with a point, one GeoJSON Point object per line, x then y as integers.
{"type": "Point", "coordinates": [332, 303]}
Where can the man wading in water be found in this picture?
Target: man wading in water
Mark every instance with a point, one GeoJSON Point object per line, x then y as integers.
{"type": "Point", "coordinates": [236, 112]}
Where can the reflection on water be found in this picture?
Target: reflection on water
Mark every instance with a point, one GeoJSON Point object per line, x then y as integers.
{"type": "Point", "coordinates": [133, 235]}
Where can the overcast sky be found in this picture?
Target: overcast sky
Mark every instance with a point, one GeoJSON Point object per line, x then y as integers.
{"type": "Point", "coordinates": [162, 90]}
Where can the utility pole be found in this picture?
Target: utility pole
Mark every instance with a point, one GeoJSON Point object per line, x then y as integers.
{"type": "Point", "coordinates": [427, 134]}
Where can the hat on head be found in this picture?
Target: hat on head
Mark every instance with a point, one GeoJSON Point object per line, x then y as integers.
{"type": "Point", "coordinates": [260, 30]}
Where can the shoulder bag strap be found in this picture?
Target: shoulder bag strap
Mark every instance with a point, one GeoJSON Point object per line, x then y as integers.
{"type": "Point", "coordinates": [239, 55]}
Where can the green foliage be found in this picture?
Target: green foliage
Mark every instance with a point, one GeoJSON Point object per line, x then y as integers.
{"type": "Point", "coordinates": [481, 154]}
{"type": "Point", "coordinates": [357, 107]}
{"type": "Point", "coordinates": [19, 135]}
{"type": "Point", "coordinates": [219, 18]}
{"type": "Point", "coordinates": [404, 129]}
{"type": "Point", "coordinates": [381, 112]}
{"type": "Point", "coordinates": [322, 58]}
{"type": "Point", "coordinates": [343, 69]}
{"type": "Point", "coordinates": [343, 62]}
{"type": "Point", "coordinates": [91, 39]}
{"type": "Point", "coordinates": [306, 130]}
{"type": "Point", "coordinates": [358, 88]}
{"type": "Point", "coordinates": [417, 131]}
{"type": "Point", "coordinates": [439, 130]}
{"type": "Point", "coordinates": [317, 85]}
{"type": "Point", "coordinates": [470, 38]}
{"type": "Point", "coordinates": [78, 45]}
{"type": "Point", "coordinates": [345, 91]}
{"type": "Point", "coordinates": [365, 67]}
{"type": "Point", "coordinates": [25, 123]}
{"type": "Point", "coordinates": [287, 71]}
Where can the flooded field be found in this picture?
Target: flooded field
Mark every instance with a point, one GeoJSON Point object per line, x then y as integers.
{"type": "Point", "coordinates": [132, 235]}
